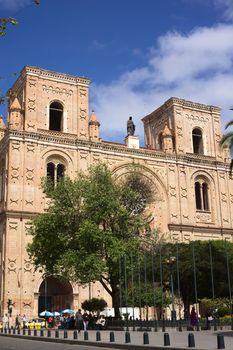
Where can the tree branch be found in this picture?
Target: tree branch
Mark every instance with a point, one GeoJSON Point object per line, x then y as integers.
{"type": "Point", "coordinates": [105, 285]}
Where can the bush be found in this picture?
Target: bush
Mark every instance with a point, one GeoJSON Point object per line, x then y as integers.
{"type": "Point", "coordinates": [222, 305]}
{"type": "Point", "coordinates": [94, 305]}
{"type": "Point", "coordinates": [223, 311]}
{"type": "Point", "coordinates": [226, 320]}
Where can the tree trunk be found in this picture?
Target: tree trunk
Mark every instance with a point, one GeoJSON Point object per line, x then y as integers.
{"type": "Point", "coordinates": [186, 301]}
{"type": "Point", "coordinates": [115, 294]}
{"type": "Point", "coordinates": [116, 301]}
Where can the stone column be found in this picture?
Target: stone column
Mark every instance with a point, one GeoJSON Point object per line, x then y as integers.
{"type": "Point", "coordinates": [35, 304]}
{"type": "Point", "coordinates": [76, 305]}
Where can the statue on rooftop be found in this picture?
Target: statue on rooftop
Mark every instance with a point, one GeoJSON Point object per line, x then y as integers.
{"type": "Point", "coordinates": [130, 127]}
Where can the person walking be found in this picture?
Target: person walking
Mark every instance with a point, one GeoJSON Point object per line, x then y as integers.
{"type": "Point", "coordinates": [85, 321]}
{"type": "Point", "coordinates": [24, 321]}
{"type": "Point", "coordinates": [193, 317]}
{"type": "Point", "coordinates": [5, 321]}
{"type": "Point", "coordinates": [79, 320]}
{"type": "Point", "coordinates": [17, 321]}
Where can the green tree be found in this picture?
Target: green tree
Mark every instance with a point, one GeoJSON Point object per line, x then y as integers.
{"type": "Point", "coordinates": [227, 141]}
{"type": "Point", "coordinates": [94, 305]}
{"type": "Point", "coordinates": [222, 305]}
{"type": "Point", "coordinates": [91, 222]}
{"type": "Point", "coordinates": [219, 251]}
{"type": "Point", "coordinates": [149, 296]}
{"type": "Point", "coordinates": [203, 269]}
{"type": "Point", "coordinates": [152, 296]}
{"type": "Point", "coordinates": [4, 22]}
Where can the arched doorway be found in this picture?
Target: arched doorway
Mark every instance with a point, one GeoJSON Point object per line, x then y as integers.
{"type": "Point", "coordinates": [55, 295]}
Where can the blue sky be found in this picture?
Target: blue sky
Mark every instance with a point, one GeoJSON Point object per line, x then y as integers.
{"type": "Point", "coordinates": [136, 53]}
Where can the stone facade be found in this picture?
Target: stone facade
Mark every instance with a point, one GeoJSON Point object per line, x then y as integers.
{"type": "Point", "coordinates": [49, 131]}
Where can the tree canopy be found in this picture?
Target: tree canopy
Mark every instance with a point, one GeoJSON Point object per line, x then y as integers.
{"type": "Point", "coordinates": [94, 305]}
{"type": "Point", "coordinates": [91, 222]}
{"type": "Point", "coordinates": [198, 254]}
{"type": "Point", "coordinates": [4, 22]}
{"type": "Point", "coordinates": [227, 140]}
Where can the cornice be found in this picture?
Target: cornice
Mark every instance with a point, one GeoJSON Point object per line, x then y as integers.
{"type": "Point", "coordinates": [16, 214]}
{"type": "Point", "coordinates": [45, 73]}
{"type": "Point", "coordinates": [182, 103]}
{"type": "Point", "coordinates": [71, 140]}
{"type": "Point", "coordinates": [200, 229]}
{"type": "Point", "coordinates": [193, 105]}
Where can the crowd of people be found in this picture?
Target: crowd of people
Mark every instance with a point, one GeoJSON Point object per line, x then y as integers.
{"type": "Point", "coordinates": [83, 321]}
{"type": "Point", "coordinates": [20, 321]}
{"type": "Point", "coordinates": [79, 321]}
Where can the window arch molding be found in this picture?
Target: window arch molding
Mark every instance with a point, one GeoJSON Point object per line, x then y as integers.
{"type": "Point", "coordinates": [62, 155]}
{"type": "Point", "coordinates": [202, 192]}
{"type": "Point", "coordinates": [197, 140]}
{"type": "Point", "coordinates": [126, 168]}
{"type": "Point", "coordinates": [56, 115]}
{"type": "Point", "coordinates": [159, 204]}
{"type": "Point", "coordinates": [55, 168]}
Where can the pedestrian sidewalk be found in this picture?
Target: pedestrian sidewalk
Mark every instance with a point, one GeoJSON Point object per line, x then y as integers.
{"type": "Point", "coordinates": [178, 340]}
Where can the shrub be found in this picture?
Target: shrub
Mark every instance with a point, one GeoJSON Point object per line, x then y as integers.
{"type": "Point", "coordinates": [223, 311]}
{"type": "Point", "coordinates": [94, 305]}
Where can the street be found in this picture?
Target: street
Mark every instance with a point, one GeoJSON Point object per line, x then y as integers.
{"type": "Point", "coordinates": [21, 344]}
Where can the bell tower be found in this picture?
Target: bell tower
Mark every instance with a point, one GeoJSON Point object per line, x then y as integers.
{"type": "Point", "coordinates": [195, 128]}
{"type": "Point", "coordinates": [51, 101]}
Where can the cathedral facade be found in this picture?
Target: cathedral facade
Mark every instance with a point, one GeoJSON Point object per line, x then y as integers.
{"type": "Point", "coordinates": [50, 133]}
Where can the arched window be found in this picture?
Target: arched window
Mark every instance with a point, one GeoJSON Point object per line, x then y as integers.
{"type": "Point", "coordinates": [202, 195]}
{"type": "Point", "coordinates": [197, 141]}
{"type": "Point", "coordinates": [55, 171]}
{"type": "Point", "coordinates": [55, 116]}
{"type": "Point", "coordinates": [198, 195]}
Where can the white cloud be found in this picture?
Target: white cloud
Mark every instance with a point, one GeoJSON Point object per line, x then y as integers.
{"type": "Point", "coordinates": [197, 66]}
{"type": "Point", "coordinates": [14, 4]}
{"type": "Point", "coordinates": [226, 6]}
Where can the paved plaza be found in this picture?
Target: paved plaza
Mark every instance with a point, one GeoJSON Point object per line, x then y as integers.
{"type": "Point", "coordinates": [203, 339]}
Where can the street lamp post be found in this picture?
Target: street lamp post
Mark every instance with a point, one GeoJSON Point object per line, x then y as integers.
{"type": "Point", "coordinates": [132, 283]}
{"type": "Point", "coordinates": [120, 288]}
{"type": "Point", "coordinates": [229, 282]}
{"type": "Point", "coordinates": [212, 283]}
{"type": "Point", "coordinates": [161, 286]}
{"type": "Point", "coordinates": [145, 288]}
{"type": "Point", "coordinates": [154, 297]}
{"type": "Point", "coordinates": [126, 292]}
{"type": "Point", "coordinates": [170, 262]}
{"type": "Point", "coordinates": [178, 284]}
{"type": "Point", "coordinates": [139, 294]}
{"type": "Point", "coordinates": [195, 277]}
{"type": "Point", "coordinates": [45, 299]}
